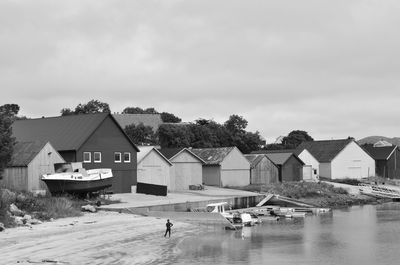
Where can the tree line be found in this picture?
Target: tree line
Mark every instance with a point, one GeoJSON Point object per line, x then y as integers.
{"type": "Point", "coordinates": [96, 106]}
{"type": "Point", "coordinates": [201, 133]}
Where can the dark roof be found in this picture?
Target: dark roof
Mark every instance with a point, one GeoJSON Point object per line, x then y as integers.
{"type": "Point", "coordinates": [380, 153]}
{"type": "Point", "coordinates": [64, 132]}
{"type": "Point", "coordinates": [281, 158]}
{"type": "Point", "coordinates": [212, 156]}
{"type": "Point", "coordinates": [293, 151]}
{"type": "Point", "coordinates": [254, 159]}
{"type": "Point", "coordinates": [25, 152]}
{"type": "Point", "coordinates": [324, 151]}
{"type": "Point", "coordinates": [152, 120]}
{"type": "Point", "coordinates": [171, 152]}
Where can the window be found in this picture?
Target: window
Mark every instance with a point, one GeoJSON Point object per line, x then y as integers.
{"type": "Point", "coordinates": [87, 158]}
{"type": "Point", "coordinates": [127, 157]}
{"type": "Point", "coordinates": [97, 157]}
{"type": "Point", "coordinates": [117, 157]}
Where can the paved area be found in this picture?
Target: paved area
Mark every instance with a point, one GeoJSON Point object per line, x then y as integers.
{"type": "Point", "coordinates": [132, 200]}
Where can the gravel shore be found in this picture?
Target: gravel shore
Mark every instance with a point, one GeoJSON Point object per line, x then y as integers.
{"type": "Point", "coordinates": [95, 238]}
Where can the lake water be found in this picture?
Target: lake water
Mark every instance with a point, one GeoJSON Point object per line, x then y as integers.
{"type": "Point", "coordinates": [357, 235]}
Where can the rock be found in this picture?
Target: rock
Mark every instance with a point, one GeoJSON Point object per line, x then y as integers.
{"type": "Point", "coordinates": [27, 217]}
{"type": "Point", "coordinates": [15, 211]}
{"type": "Point", "coordinates": [89, 208]}
{"type": "Point", "coordinates": [34, 222]}
{"type": "Point", "coordinates": [2, 228]}
{"type": "Point", "coordinates": [18, 220]}
{"type": "Point", "coordinates": [20, 198]}
{"type": "Point", "coordinates": [7, 196]}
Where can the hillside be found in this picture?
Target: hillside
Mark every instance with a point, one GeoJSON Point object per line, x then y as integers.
{"type": "Point", "coordinates": [374, 139]}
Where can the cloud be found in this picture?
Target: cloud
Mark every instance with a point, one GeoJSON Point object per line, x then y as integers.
{"type": "Point", "coordinates": [330, 68]}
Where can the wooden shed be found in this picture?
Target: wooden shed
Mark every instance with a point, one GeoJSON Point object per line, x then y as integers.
{"type": "Point", "coordinates": [186, 168]}
{"type": "Point", "coordinates": [289, 165]}
{"type": "Point", "coordinates": [153, 167]}
{"type": "Point", "coordinates": [387, 160]}
{"type": "Point", "coordinates": [262, 169]}
{"type": "Point", "coordinates": [224, 166]}
{"type": "Point", "coordinates": [30, 160]}
{"type": "Point", "coordinates": [96, 140]}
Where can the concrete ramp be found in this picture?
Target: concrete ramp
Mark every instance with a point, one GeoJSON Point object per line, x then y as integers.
{"type": "Point", "coordinates": [283, 201]}
{"type": "Point", "coordinates": [265, 200]}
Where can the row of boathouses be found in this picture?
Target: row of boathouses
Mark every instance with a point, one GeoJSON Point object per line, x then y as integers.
{"type": "Point", "coordinates": [99, 141]}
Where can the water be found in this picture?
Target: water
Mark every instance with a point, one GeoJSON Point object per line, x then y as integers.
{"type": "Point", "coordinates": [357, 235]}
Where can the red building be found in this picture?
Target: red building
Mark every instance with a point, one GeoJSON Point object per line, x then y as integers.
{"type": "Point", "coordinates": [96, 140]}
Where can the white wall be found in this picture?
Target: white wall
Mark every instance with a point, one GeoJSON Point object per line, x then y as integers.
{"type": "Point", "coordinates": [43, 163]}
{"type": "Point", "coordinates": [186, 170]}
{"type": "Point", "coordinates": [310, 160]}
{"type": "Point", "coordinates": [235, 169]}
{"type": "Point", "coordinates": [352, 162]}
{"type": "Point", "coordinates": [154, 169]}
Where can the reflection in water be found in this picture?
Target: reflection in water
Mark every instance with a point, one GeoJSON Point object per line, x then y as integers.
{"type": "Point", "coordinates": [358, 235]}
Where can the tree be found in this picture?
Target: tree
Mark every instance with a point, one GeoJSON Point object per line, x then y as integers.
{"type": "Point", "coordinates": [150, 111]}
{"type": "Point", "coordinates": [169, 117]}
{"type": "Point", "coordinates": [11, 110]}
{"type": "Point", "coordinates": [141, 134]}
{"type": "Point", "coordinates": [8, 114]}
{"type": "Point", "coordinates": [295, 138]}
{"type": "Point", "coordinates": [236, 124]}
{"type": "Point", "coordinates": [205, 133]}
{"type": "Point", "coordinates": [133, 110]}
{"type": "Point", "coordinates": [66, 112]}
{"type": "Point", "coordinates": [172, 135]}
{"type": "Point", "coordinates": [93, 106]}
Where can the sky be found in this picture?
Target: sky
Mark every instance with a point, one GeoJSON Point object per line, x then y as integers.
{"type": "Point", "coordinates": [330, 68]}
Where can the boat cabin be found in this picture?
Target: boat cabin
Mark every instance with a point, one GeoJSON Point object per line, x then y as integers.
{"type": "Point", "coordinates": [218, 207]}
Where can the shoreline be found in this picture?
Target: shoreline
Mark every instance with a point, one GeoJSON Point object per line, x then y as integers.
{"type": "Point", "coordinates": [94, 238]}
{"type": "Point", "coordinates": [98, 238]}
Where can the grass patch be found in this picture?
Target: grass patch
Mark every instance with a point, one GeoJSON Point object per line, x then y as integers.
{"type": "Point", "coordinates": [321, 194]}
{"type": "Point", "coordinates": [42, 208]}
{"type": "Point", "coordinates": [46, 208]}
{"type": "Point", "coordinates": [348, 181]}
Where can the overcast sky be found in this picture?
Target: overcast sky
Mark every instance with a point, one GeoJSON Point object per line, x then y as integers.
{"type": "Point", "coordinates": [330, 68]}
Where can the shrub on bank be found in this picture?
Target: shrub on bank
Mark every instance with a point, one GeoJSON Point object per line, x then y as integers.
{"type": "Point", "coordinates": [42, 208]}
{"type": "Point", "coordinates": [320, 194]}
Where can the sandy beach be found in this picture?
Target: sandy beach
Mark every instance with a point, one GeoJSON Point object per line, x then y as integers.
{"type": "Point", "coordinates": [95, 238]}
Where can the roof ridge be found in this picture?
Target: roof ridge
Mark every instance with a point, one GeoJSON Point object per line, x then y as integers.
{"type": "Point", "coordinates": [62, 116]}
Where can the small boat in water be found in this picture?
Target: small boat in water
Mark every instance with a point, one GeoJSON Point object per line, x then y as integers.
{"type": "Point", "coordinates": [74, 179]}
{"type": "Point", "coordinates": [237, 219]}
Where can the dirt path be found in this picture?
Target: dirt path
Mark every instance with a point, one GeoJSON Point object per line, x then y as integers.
{"type": "Point", "coordinates": [101, 238]}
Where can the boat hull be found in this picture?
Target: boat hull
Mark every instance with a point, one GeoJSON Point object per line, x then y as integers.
{"type": "Point", "coordinates": [77, 187]}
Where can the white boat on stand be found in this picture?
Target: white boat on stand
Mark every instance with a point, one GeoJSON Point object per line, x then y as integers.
{"type": "Point", "coordinates": [73, 178]}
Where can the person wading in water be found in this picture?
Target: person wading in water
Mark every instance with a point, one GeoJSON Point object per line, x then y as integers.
{"type": "Point", "coordinates": [168, 225]}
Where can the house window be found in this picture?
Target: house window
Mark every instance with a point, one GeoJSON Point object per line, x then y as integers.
{"type": "Point", "coordinates": [117, 157]}
{"type": "Point", "coordinates": [127, 157]}
{"type": "Point", "coordinates": [87, 158]}
{"type": "Point", "coordinates": [97, 157]}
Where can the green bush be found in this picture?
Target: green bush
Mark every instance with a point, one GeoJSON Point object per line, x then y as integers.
{"type": "Point", "coordinates": [56, 207]}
